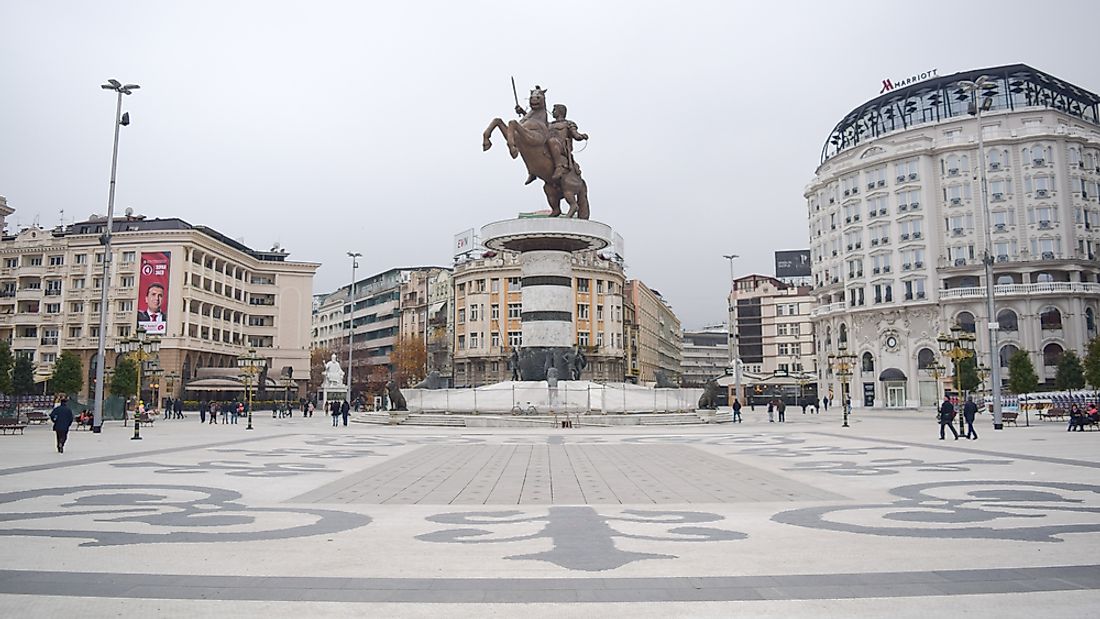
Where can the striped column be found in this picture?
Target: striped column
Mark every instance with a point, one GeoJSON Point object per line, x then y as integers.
{"type": "Point", "coordinates": [547, 285]}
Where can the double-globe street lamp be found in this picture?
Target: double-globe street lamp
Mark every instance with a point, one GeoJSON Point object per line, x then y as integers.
{"type": "Point", "coordinates": [985, 88]}
{"type": "Point", "coordinates": [843, 362]}
{"type": "Point", "coordinates": [140, 349]}
{"type": "Point", "coordinates": [957, 346]}
{"type": "Point", "coordinates": [251, 365]}
{"type": "Point", "coordinates": [121, 120]}
{"type": "Point", "coordinates": [731, 339]}
{"type": "Point", "coordinates": [354, 255]}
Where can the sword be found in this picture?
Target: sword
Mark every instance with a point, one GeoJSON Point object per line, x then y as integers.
{"type": "Point", "coordinates": [514, 95]}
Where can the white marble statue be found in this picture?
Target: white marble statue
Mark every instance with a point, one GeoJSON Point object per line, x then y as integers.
{"type": "Point", "coordinates": [334, 374]}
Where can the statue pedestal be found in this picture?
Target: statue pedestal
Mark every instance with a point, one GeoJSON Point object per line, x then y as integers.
{"type": "Point", "coordinates": [332, 392]}
{"type": "Point", "coordinates": [545, 246]}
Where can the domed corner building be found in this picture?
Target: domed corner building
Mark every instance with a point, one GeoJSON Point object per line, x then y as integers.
{"type": "Point", "coordinates": [898, 233]}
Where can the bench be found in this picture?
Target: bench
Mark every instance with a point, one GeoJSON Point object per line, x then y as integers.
{"type": "Point", "coordinates": [37, 417]}
{"type": "Point", "coordinates": [10, 424]}
{"type": "Point", "coordinates": [147, 419]}
{"type": "Point", "coordinates": [1009, 417]}
{"type": "Point", "coordinates": [1053, 414]}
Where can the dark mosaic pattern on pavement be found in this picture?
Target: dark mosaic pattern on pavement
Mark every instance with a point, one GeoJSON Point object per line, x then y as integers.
{"type": "Point", "coordinates": [186, 514]}
{"type": "Point", "coordinates": [583, 539]}
{"type": "Point", "coordinates": [1008, 510]}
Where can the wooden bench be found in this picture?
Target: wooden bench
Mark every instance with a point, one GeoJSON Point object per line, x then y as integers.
{"type": "Point", "coordinates": [1052, 414]}
{"type": "Point", "coordinates": [1091, 424]}
{"type": "Point", "coordinates": [37, 417]}
{"type": "Point", "coordinates": [11, 424]}
{"type": "Point", "coordinates": [1009, 417]}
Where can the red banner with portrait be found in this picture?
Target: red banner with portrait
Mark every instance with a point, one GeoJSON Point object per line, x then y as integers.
{"type": "Point", "coordinates": [152, 306]}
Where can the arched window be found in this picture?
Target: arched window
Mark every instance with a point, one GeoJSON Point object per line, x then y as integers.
{"type": "Point", "coordinates": [843, 337]}
{"type": "Point", "coordinates": [1006, 353]}
{"type": "Point", "coordinates": [1050, 318]}
{"type": "Point", "coordinates": [1043, 277]}
{"type": "Point", "coordinates": [925, 358]}
{"type": "Point", "coordinates": [997, 159]}
{"type": "Point", "coordinates": [187, 367]}
{"type": "Point", "coordinates": [868, 363]}
{"type": "Point", "coordinates": [1005, 280]}
{"type": "Point", "coordinates": [1007, 320]}
{"type": "Point", "coordinates": [1090, 321]}
{"type": "Point", "coordinates": [966, 321]}
{"type": "Point", "coordinates": [1052, 354]}
{"type": "Point", "coordinates": [828, 336]}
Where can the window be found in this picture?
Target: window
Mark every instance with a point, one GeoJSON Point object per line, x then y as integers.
{"type": "Point", "coordinates": [475, 314]}
{"type": "Point", "coordinates": [1052, 354]}
{"type": "Point", "coordinates": [97, 282]}
{"type": "Point", "coordinates": [1050, 319]}
{"type": "Point", "coordinates": [599, 286]}
{"type": "Point", "coordinates": [480, 285]}
{"type": "Point", "coordinates": [515, 310]}
{"type": "Point", "coordinates": [81, 258]}
{"type": "Point", "coordinates": [123, 331]}
{"type": "Point", "coordinates": [126, 281]}
{"type": "Point", "coordinates": [57, 260]}
{"type": "Point", "coordinates": [494, 285]}
{"type": "Point", "coordinates": [461, 315]}
{"type": "Point", "coordinates": [925, 359]}
{"type": "Point", "coordinates": [462, 342]}
{"type": "Point", "coordinates": [53, 308]}
{"type": "Point", "coordinates": [582, 311]}
{"type": "Point", "coordinates": [11, 263]}
{"type": "Point", "coordinates": [599, 312]}
{"type": "Point", "coordinates": [494, 339]}
{"type": "Point", "coordinates": [868, 364]}
{"type": "Point", "coordinates": [781, 329]}
{"type": "Point", "coordinates": [906, 171]}
{"type": "Point", "coordinates": [494, 309]}
{"type": "Point", "coordinates": [514, 284]}
{"type": "Point", "coordinates": [784, 350]}
{"type": "Point", "coordinates": [515, 339]}
{"type": "Point", "coordinates": [475, 340]}
{"type": "Point", "coordinates": [99, 258]}
{"type": "Point", "coordinates": [582, 338]}
{"type": "Point", "coordinates": [129, 257]}
{"type": "Point", "coordinates": [582, 284]}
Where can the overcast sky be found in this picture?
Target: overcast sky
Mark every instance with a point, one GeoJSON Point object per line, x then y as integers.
{"type": "Point", "coordinates": [352, 126]}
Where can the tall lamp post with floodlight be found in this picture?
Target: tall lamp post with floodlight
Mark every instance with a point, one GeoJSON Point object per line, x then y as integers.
{"type": "Point", "coordinates": [734, 352]}
{"type": "Point", "coordinates": [251, 365]}
{"type": "Point", "coordinates": [842, 363]}
{"type": "Point", "coordinates": [121, 120]}
{"type": "Point", "coordinates": [957, 346]}
{"type": "Point", "coordinates": [985, 88]}
{"type": "Point", "coordinates": [140, 349]}
{"type": "Point", "coordinates": [354, 255]}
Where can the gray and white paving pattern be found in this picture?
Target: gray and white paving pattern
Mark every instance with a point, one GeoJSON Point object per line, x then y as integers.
{"type": "Point", "coordinates": [804, 518]}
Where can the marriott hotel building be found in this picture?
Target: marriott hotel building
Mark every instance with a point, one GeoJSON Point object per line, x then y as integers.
{"type": "Point", "coordinates": [898, 234]}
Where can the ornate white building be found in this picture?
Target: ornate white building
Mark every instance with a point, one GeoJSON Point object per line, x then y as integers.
{"type": "Point", "coordinates": [898, 233]}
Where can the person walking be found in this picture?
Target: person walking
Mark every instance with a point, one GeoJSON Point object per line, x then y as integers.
{"type": "Point", "coordinates": [771, 411]}
{"type": "Point", "coordinates": [345, 409]}
{"type": "Point", "coordinates": [334, 410]}
{"type": "Point", "coordinates": [62, 417]}
{"type": "Point", "coordinates": [781, 408]}
{"type": "Point", "coordinates": [214, 412]}
{"type": "Point", "coordinates": [178, 407]}
{"type": "Point", "coordinates": [969, 410]}
{"type": "Point", "coordinates": [736, 411]}
{"type": "Point", "coordinates": [947, 417]}
{"type": "Point", "coordinates": [202, 411]}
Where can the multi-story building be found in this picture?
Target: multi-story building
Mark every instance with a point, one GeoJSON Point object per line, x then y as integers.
{"type": "Point", "coordinates": [220, 298]}
{"type": "Point", "coordinates": [899, 231]}
{"type": "Point", "coordinates": [705, 355]}
{"type": "Point", "coordinates": [377, 317]}
{"type": "Point", "coordinates": [425, 302]}
{"type": "Point", "coordinates": [487, 317]}
{"type": "Point", "coordinates": [657, 332]}
{"type": "Point", "coordinates": [775, 338]}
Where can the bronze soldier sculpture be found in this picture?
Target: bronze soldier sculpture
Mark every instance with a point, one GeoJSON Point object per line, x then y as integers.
{"type": "Point", "coordinates": [547, 151]}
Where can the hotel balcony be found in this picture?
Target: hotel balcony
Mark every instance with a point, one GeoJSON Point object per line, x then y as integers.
{"type": "Point", "coordinates": [1009, 290]}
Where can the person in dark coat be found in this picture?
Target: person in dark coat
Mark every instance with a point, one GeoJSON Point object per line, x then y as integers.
{"type": "Point", "coordinates": [781, 408]}
{"type": "Point", "coordinates": [62, 417]}
{"type": "Point", "coordinates": [334, 410]}
{"type": "Point", "coordinates": [345, 409]}
{"type": "Point", "coordinates": [946, 417]}
{"type": "Point", "coordinates": [736, 410]}
{"type": "Point", "coordinates": [202, 411]}
{"type": "Point", "coordinates": [178, 407]}
{"type": "Point", "coordinates": [969, 410]}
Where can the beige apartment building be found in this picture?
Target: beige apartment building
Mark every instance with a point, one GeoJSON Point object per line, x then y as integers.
{"type": "Point", "coordinates": [487, 317]}
{"type": "Point", "coordinates": [656, 332]}
{"type": "Point", "coordinates": [425, 313]}
{"type": "Point", "coordinates": [220, 299]}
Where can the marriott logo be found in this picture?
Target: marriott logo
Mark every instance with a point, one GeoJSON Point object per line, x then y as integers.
{"type": "Point", "coordinates": [888, 85]}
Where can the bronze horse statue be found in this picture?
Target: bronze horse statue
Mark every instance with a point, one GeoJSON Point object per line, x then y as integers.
{"type": "Point", "coordinates": [532, 138]}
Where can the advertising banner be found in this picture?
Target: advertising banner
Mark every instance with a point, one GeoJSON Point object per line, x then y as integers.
{"type": "Point", "coordinates": [792, 263]}
{"type": "Point", "coordinates": [152, 312]}
{"type": "Point", "coordinates": [464, 242]}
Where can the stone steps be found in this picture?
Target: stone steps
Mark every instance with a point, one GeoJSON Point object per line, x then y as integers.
{"type": "Point", "coordinates": [426, 419]}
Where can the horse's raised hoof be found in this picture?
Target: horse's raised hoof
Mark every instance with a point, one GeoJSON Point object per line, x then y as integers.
{"type": "Point", "coordinates": [486, 144]}
{"type": "Point", "coordinates": [513, 151]}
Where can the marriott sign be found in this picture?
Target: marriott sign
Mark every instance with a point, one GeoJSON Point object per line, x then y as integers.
{"type": "Point", "coordinates": [888, 85]}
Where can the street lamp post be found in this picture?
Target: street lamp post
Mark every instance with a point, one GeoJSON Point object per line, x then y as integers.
{"type": "Point", "coordinates": [354, 255]}
{"type": "Point", "coordinates": [140, 349]}
{"type": "Point", "coordinates": [105, 240]}
{"type": "Point", "coordinates": [842, 363]}
{"type": "Point", "coordinates": [987, 86]}
{"type": "Point", "coordinates": [734, 352]}
{"type": "Point", "coordinates": [250, 364]}
{"type": "Point", "coordinates": [957, 346]}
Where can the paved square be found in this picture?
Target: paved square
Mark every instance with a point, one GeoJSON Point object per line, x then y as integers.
{"type": "Point", "coordinates": [803, 518]}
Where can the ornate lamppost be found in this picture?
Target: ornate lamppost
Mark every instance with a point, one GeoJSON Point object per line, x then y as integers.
{"type": "Point", "coordinates": [140, 349]}
{"type": "Point", "coordinates": [957, 346]}
{"type": "Point", "coordinates": [250, 364]}
{"type": "Point", "coordinates": [842, 363]}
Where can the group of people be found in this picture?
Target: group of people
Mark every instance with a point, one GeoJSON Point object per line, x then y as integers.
{"type": "Point", "coordinates": [946, 416]}
{"type": "Point", "coordinates": [1079, 417]}
{"type": "Point", "coordinates": [338, 409]}
{"type": "Point", "coordinates": [173, 408]}
{"type": "Point", "coordinates": [230, 411]}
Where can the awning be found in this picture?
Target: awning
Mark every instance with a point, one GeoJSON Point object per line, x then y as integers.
{"type": "Point", "coordinates": [892, 374]}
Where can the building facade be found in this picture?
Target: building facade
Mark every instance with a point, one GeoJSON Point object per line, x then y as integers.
{"type": "Point", "coordinates": [775, 337]}
{"type": "Point", "coordinates": [899, 232]}
{"type": "Point", "coordinates": [425, 303]}
{"type": "Point", "coordinates": [656, 329]}
{"type": "Point", "coordinates": [220, 298]}
{"type": "Point", "coordinates": [705, 355]}
{"type": "Point", "coordinates": [487, 317]}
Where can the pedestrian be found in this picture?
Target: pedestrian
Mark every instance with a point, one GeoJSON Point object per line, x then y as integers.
{"type": "Point", "coordinates": [309, 408]}
{"type": "Point", "coordinates": [969, 410]}
{"type": "Point", "coordinates": [803, 406]}
{"type": "Point", "coordinates": [1076, 419]}
{"type": "Point", "coordinates": [178, 407]}
{"type": "Point", "coordinates": [781, 407]}
{"type": "Point", "coordinates": [214, 407]}
{"type": "Point", "coordinates": [202, 411]}
{"type": "Point", "coordinates": [237, 412]}
{"type": "Point", "coordinates": [771, 410]}
{"type": "Point", "coordinates": [736, 410]}
{"type": "Point", "coordinates": [947, 417]}
{"type": "Point", "coordinates": [345, 409]}
{"type": "Point", "coordinates": [334, 410]}
{"type": "Point", "coordinates": [62, 417]}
